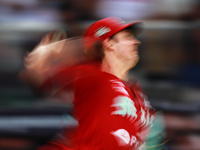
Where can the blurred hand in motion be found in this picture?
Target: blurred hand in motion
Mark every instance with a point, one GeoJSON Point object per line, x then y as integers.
{"type": "Point", "coordinates": [55, 49]}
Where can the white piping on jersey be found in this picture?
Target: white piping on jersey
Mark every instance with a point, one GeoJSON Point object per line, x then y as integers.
{"type": "Point", "coordinates": [119, 87]}
{"type": "Point", "coordinates": [124, 107]}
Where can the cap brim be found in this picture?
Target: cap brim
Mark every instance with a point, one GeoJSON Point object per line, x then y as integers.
{"type": "Point", "coordinates": [136, 27]}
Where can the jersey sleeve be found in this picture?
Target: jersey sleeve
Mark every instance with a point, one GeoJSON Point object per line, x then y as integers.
{"type": "Point", "coordinates": [58, 79]}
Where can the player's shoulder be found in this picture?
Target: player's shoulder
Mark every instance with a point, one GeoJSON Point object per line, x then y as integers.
{"type": "Point", "coordinates": [89, 65]}
{"type": "Point", "coordinates": [88, 69]}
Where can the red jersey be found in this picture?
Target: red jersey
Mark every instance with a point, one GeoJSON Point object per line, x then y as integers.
{"type": "Point", "coordinates": [112, 114]}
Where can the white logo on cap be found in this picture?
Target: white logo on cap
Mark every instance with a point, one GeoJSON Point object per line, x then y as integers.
{"type": "Point", "coordinates": [101, 31]}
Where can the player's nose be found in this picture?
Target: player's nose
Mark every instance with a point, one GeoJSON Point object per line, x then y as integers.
{"type": "Point", "coordinates": [136, 41]}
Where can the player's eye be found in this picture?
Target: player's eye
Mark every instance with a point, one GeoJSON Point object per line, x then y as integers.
{"type": "Point", "coordinates": [129, 35]}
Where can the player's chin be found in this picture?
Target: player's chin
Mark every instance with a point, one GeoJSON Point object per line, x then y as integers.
{"type": "Point", "coordinates": [135, 60]}
{"type": "Point", "coordinates": [135, 57]}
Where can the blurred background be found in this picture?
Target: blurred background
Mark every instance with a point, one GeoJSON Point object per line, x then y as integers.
{"type": "Point", "coordinates": [169, 67]}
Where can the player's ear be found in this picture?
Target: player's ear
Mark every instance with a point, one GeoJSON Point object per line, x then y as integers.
{"type": "Point", "coordinates": [108, 44]}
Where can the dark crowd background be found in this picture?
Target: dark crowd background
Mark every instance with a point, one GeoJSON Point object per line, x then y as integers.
{"type": "Point", "coordinates": [169, 67]}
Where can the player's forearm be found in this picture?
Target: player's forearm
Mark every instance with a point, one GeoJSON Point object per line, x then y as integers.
{"type": "Point", "coordinates": [35, 66]}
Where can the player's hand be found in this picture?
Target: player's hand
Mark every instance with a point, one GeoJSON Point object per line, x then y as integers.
{"type": "Point", "coordinates": [55, 50]}
{"type": "Point", "coordinates": [43, 54]}
{"type": "Point", "coordinates": [52, 37]}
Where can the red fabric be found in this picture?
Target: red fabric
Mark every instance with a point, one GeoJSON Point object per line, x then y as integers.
{"type": "Point", "coordinates": [53, 146]}
{"type": "Point", "coordinates": [111, 113]}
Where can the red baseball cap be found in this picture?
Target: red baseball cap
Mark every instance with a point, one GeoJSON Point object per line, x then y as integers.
{"type": "Point", "coordinates": [107, 27]}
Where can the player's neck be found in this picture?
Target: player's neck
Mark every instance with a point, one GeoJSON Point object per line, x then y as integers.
{"type": "Point", "coordinates": [115, 67]}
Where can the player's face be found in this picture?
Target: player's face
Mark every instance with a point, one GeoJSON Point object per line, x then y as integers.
{"type": "Point", "coordinates": [125, 46]}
